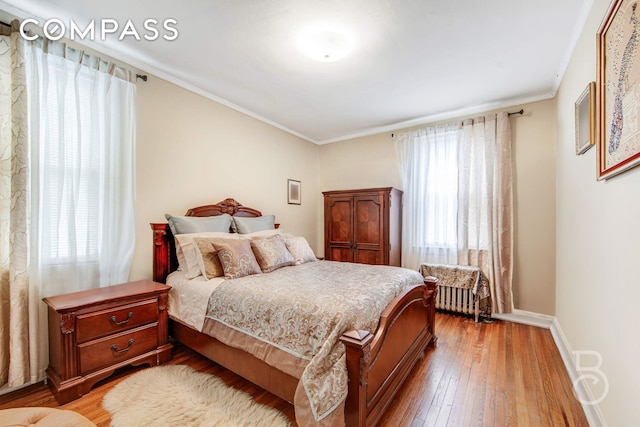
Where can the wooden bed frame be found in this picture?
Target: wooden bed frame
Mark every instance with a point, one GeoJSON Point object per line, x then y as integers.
{"type": "Point", "coordinates": [377, 364]}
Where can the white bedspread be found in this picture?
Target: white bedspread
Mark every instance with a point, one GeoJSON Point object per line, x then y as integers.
{"type": "Point", "coordinates": [188, 299]}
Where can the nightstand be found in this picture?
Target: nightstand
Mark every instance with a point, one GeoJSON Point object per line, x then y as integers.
{"type": "Point", "coordinates": [94, 332]}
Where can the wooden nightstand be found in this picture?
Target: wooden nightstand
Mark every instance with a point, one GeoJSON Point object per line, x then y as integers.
{"type": "Point", "coordinates": [94, 332]}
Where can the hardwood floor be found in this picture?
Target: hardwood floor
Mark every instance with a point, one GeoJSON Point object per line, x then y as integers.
{"type": "Point", "coordinates": [497, 374]}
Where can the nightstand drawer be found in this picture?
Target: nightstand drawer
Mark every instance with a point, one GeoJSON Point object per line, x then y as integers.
{"type": "Point", "coordinates": [117, 348]}
{"type": "Point", "coordinates": [106, 322]}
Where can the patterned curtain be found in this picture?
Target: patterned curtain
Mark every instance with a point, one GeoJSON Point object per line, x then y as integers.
{"type": "Point", "coordinates": [22, 356]}
{"type": "Point", "coordinates": [485, 212]}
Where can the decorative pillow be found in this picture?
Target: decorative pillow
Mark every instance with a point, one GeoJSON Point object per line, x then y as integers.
{"type": "Point", "coordinates": [299, 248]}
{"type": "Point", "coordinates": [208, 261]}
{"type": "Point", "coordinates": [271, 253]}
{"type": "Point", "coordinates": [188, 254]}
{"type": "Point", "coordinates": [236, 258]}
{"type": "Point", "coordinates": [245, 225]}
{"type": "Point", "coordinates": [195, 224]}
{"type": "Point", "coordinates": [259, 234]}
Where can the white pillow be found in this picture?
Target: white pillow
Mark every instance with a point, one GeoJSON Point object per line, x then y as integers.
{"type": "Point", "coordinates": [299, 248]}
{"type": "Point", "coordinates": [260, 234]}
{"type": "Point", "coordinates": [188, 253]}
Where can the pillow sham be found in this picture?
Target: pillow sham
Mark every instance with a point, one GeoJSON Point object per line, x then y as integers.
{"type": "Point", "coordinates": [195, 224]}
{"type": "Point", "coordinates": [271, 253]}
{"type": "Point", "coordinates": [244, 225]}
{"type": "Point", "coordinates": [188, 254]}
{"type": "Point", "coordinates": [260, 234]}
{"type": "Point", "coordinates": [299, 249]}
{"type": "Point", "coordinates": [236, 258]}
{"type": "Point", "coordinates": [208, 261]}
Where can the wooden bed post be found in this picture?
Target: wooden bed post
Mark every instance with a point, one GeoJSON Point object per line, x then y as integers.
{"type": "Point", "coordinates": [432, 286]}
{"type": "Point", "coordinates": [358, 356]}
{"type": "Point", "coordinates": [161, 252]}
{"type": "Point", "coordinates": [378, 364]}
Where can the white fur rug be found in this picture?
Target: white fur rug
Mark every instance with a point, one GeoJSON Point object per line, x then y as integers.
{"type": "Point", "coordinates": [177, 395]}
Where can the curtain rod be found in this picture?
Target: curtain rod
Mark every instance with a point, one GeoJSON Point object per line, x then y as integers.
{"type": "Point", "coordinates": [138, 76]}
{"type": "Point", "coordinates": [521, 111]}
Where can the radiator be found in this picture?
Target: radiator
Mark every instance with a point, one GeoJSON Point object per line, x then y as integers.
{"type": "Point", "coordinates": [460, 288]}
{"type": "Point", "coordinates": [459, 300]}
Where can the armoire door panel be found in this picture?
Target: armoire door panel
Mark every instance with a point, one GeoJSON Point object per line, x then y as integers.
{"type": "Point", "coordinates": [368, 220]}
{"type": "Point", "coordinates": [364, 256]}
{"type": "Point", "coordinates": [340, 220]}
{"type": "Point", "coordinates": [340, 254]}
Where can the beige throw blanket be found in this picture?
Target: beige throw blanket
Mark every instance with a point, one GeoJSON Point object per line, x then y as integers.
{"type": "Point", "coordinates": [304, 310]}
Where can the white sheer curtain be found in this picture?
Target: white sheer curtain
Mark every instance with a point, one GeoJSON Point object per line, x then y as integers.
{"type": "Point", "coordinates": [67, 140]}
{"type": "Point", "coordinates": [458, 199]}
{"type": "Point", "coordinates": [82, 148]}
{"type": "Point", "coordinates": [429, 166]}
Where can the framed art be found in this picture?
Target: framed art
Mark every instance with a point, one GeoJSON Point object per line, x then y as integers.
{"type": "Point", "coordinates": [618, 89]}
{"type": "Point", "coordinates": [585, 119]}
{"type": "Point", "coordinates": [294, 191]}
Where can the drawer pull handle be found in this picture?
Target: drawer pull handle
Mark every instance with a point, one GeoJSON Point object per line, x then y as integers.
{"type": "Point", "coordinates": [112, 319]}
{"type": "Point", "coordinates": [115, 347]}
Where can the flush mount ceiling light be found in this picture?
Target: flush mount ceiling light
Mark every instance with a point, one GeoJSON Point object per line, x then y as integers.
{"type": "Point", "coordinates": [325, 44]}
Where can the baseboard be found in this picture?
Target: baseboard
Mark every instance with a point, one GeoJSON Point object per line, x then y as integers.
{"type": "Point", "coordinates": [526, 318]}
{"type": "Point", "coordinates": [8, 394]}
{"type": "Point", "coordinates": [591, 411]}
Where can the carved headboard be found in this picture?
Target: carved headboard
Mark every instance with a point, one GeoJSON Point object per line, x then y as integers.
{"type": "Point", "coordinates": [164, 249]}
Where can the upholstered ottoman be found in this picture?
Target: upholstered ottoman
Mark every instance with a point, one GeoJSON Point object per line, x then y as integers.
{"type": "Point", "coordinates": [42, 417]}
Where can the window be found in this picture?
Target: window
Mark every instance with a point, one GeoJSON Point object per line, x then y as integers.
{"type": "Point", "coordinates": [440, 181]}
{"type": "Point", "coordinates": [69, 161]}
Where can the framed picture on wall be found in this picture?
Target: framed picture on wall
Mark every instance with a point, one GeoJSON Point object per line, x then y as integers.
{"type": "Point", "coordinates": [585, 119]}
{"type": "Point", "coordinates": [294, 191]}
{"type": "Point", "coordinates": [618, 89]}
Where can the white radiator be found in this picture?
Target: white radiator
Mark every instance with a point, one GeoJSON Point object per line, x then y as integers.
{"type": "Point", "coordinates": [459, 300]}
{"type": "Point", "coordinates": [460, 288]}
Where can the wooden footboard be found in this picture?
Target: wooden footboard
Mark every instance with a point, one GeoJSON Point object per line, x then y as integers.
{"type": "Point", "coordinates": [379, 364]}
{"type": "Point", "coordinates": [236, 360]}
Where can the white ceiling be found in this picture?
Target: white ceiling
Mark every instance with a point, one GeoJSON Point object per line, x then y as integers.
{"type": "Point", "coordinates": [414, 61]}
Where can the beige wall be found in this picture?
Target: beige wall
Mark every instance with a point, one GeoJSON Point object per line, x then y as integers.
{"type": "Point", "coordinates": [192, 151]}
{"type": "Point", "coordinates": [371, 162]}
{"type": "Point", "coordinates": [598, 248]}
{"type": "Point", "coordinates": [534, 198]}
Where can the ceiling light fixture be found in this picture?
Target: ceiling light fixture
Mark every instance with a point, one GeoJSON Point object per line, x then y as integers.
{"type": "Point", "coordinates": [325, 44]}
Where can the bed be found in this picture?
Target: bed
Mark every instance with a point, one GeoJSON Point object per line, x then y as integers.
{"type": "Point", "coordinates": [377, 363]}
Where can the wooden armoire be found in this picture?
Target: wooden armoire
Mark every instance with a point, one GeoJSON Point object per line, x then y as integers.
{"type": "Point", "coordinates": [363, 226]}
